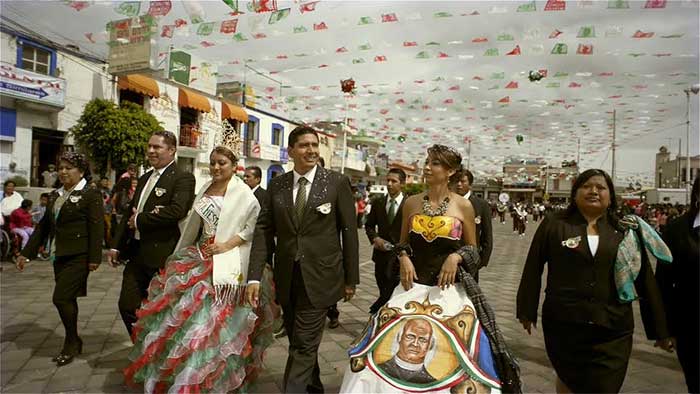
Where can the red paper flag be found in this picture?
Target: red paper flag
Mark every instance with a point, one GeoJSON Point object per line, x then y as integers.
{"type": "Point", "coordinates": [389, 18]}
{"type": "Point", "coordinates": [480, 39]}
{"type": "Point", "coordinates": [79, 5]}
{"type": "Point", "coordinates": [229, 26]}
{"type": "Point", "coordinates": [556, 33]}
{"type": "Point", "coordinates": [448, 101]}
{"type": "Point", "coordinates": [380, 58]}
{"type": "Point", "coordinates": [514, 52]}
{"type": "Point", "coordinates": [167, 31]}
{"type": "Point", "coordinates": [505, 100]}
{"type": "Point", "coordinates": [442, 55]}
{"type": "Point", "coordinates": [320, 26]}
{"type": "Point", "coordinates": [89, 37]}
{"type": "Point", "coordinates": [400, 101]}
{"type": "Point", "coordinates": [180, 22]}
{"type": "Point", "coordinates": [477, 78]}
{"type": "Point", "coordinates": [574, 85]}
{"type": "Point", "coordinates": [641, 34]}
{"type": "Point", "coordinates": [410, 44]}
{"type": "Point", "coordinates": [655, 4]}
{"type": "Point", "coordinates": [341, 50]}
{"type": "Point", "coordinates": [265, 5]}
{"type": "Point", "coordinates": [308, 7]}
{"type": "Point", "coordinates": [584, 49]}
{"type": "Point", "coordinates": [259, 36]}
{"type": "Point", "coordinates": [383, 111]}
{"type": "Point", "coordinates": [206, 44]}
{"type": "Point", "coordinates": [160, 8]}
{"type": "Point", "coordinates": [282, 57]}
{"type": "Point", "coordinates": [605, 74]}
{"type": "Point", "coordinates": [454, 88]}
{"type": "Point", "coordinates": [555, 5]}
{"type": "Point", "coordinates": [323, 66]}
{"type": "Point", "coordinates": [512, 85]}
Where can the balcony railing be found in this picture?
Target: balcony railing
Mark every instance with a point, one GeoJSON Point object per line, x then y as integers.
{"type": "Point", "coordinates": [191, 136]}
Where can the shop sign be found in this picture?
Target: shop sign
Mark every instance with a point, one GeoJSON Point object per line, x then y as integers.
{"type": "Point", "coordinates": [131, 46]}
{"type": "Point", "coordinates": [31, 86]}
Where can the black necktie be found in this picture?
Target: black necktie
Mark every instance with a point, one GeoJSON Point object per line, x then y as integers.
{"type": "Point", "coordinates": [300, 203]}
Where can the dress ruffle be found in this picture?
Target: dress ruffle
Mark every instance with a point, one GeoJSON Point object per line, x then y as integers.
{"type": "Point", "coordinates": [184, 342]}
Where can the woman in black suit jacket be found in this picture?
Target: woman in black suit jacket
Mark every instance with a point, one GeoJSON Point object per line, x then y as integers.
{"type": "Point", "coordinates": [680, 288]}
{"type": "Point", "coordinates": [74, 221]}
{"type": "Point", "coordinates": [587, 330]}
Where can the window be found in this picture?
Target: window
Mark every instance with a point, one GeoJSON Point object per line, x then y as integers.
{"type": "Point", "coordinates": [252, 130]}
{"type": "Point", "coordinates": [128, 95]}
{"type": "Point", "coordinates": [35, 57]}
{"type": "Point", "coordinates": [277, 134]}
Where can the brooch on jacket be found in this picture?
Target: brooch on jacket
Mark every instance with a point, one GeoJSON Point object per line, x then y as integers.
{"type": "Point", "coordinates": [572, 243]}
{"type": "Point", "coordinates": [324, 208]}
{"type": "Point", "coordinates": [159, 191]}
{"type": "Point", "coordinates": [75, 199]}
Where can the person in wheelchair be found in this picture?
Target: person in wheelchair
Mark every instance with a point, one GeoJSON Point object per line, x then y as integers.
{"type": "Point", "coordinates": [21, 222]}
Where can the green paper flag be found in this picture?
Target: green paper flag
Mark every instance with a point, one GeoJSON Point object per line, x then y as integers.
{"type": "Point", "coordinates": [358, 61]}
{"type": "Point", "coordinates": [422, 55]}
{"type": "Point", "coordinates": [618, 4]}
{"type": "Point", "coordinates": [179, 67]}
{"type": "Point", "coordinates": [432, 43]}
{"type": "Point", "coordinates": [527, 7]}
{"type": "Point", "coordinates": [491, 52]}
{"type": "Point", "coordinates": [205, 29]}
{"type": "Point", "coordinates": [128, 8]}
{"type": "Point", "coordinates": [233, 4]}
{"type": "Point", "coordinates": [239, 37]}
{"type": "Point", "coordinates": [500, 75]}
{"type": "Point", "coordinates": [442, 14]}
{"type": "Point", "coordinates": [560, 49]}
{"type": "Point", "coordinates": [561, 74]}
{"type": "Point", "coordinates": [673, 36]}
{"type": "Point", "coordinates": [277, 16]}
{"type": "Point", "coordinates": [365, 47]}
{"type": "Point", "coordinates": [365, 20]}
{"type": "Point", "coordinates": [505, 37]}
{"type": "Point", "coordinates": [586, 32]}
{"type": "Point", "coordinates": [300, 29]}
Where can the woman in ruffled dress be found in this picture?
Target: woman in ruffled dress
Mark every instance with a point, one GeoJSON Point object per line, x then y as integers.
{"type": "Point", "coordinates": [437, 333]}
{"type": "Point", "coordinates": [194, 332]}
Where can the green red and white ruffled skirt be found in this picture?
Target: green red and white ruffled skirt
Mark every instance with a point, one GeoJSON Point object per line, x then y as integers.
{"type": "Point", "coordinates": [186, 342]}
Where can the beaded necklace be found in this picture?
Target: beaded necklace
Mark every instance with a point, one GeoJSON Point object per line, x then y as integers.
{"type": "Point", "coordinates": [439, 211]}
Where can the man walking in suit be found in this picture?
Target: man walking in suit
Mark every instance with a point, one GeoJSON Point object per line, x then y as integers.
{"type": "Point", "coordinates": [252, 178]}
{"type": "Point", "coordinates": [482, 211]}
{"type": "Point", "coordinates": [311, 212]}
{"type": "Point", "coordinates": [383, 228]}
{"type": "Point", "coordinates": [162, 198]}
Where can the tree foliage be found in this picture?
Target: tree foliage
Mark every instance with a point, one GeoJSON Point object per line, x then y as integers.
{"type": "Point", "coordinates": [112, 135]}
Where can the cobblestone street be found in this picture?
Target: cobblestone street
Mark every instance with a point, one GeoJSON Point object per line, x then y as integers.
{"type": "Point", "coordinates": [32, 333]}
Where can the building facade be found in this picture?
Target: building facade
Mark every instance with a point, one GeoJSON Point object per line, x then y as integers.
{"type": "Point", "coordinates": [671, 173]}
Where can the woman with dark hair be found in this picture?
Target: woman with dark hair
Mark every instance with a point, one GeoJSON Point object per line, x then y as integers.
{"type": "Point", "coordinates": [194, 332]}
{"type": "Point", "coordinates": [438, 309]}
{"type": "Point", "coordinates": [587, 313]}
{"type": "Point", "coordinates": [74, 224]}
{"type": "Point", "coordinates": [680, 289]}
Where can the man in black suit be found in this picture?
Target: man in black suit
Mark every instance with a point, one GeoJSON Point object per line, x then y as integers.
{"type": "Point", "coordinates": [482, 211]}
{"type": "Point", "coordinates": [383, 230]}
{"type": "Point", "coordinates": [162, 198]}
{"type": "Point", "coordinates": [311, 212]}
{"type": "Point", "coordinates": [252, 177]}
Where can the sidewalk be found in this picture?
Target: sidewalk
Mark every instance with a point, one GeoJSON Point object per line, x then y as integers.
{"type": "Point", "coordinates": [31, 332]}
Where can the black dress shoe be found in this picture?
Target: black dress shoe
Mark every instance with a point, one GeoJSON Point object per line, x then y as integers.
{"type": "Point", "coordinates": [334, 323]}
{"type": "Point", "coordinates": [66, 357]}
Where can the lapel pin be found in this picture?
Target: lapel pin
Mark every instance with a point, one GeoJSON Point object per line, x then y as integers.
{"type": "Point", "coordinates": [159, 191]}
{"type": "Point", "coordinates": [572, 243]}
{"type": "Point", "coordinates": [75, 199]}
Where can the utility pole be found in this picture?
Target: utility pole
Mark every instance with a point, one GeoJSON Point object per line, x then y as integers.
{"type": "Point", "coordinates": [613, 149]}
{"type": "Point", "coordinates": [678, 160]}
{"type": "Point", "coordinates": [469, 152]}
{"type": "Point", "coordinates": [578, 152]}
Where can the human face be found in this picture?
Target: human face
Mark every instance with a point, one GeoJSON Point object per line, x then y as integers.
{"type": "Point", "coordinates": [43, 201]}
{"type": "Point", "coordinates": [415, 341]}
{"type": "Point", "coordinates": [593, 196]}
{"type": "Point", "coordinates": [393, 184]}
{"type": "Point", "coordinates": [159, 153]}
{"type": "Point", "coordinates": [250, 179]}
{"type": "Point", "coordinates": [220, 167]}
{"type": "Point", "coordinates": [134, 183]}
{"type": "Point", "coordinates": [305, 153]}
{"type": "Point", "coordinates": [68, 174]}
{"type": "Point", "coordinates": [435, 172]}
{"type": "Point", "coordinates": [9, 189]}
{"type": "Point", "coordinates": [463, 186]}
{"type": "Point", "coordinates": [104, 183]}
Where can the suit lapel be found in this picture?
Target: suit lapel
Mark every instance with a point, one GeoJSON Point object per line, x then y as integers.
{"type": "Point", "coordinates": [318, 191]}
{"type": "Point", "coordinates": [139, 188]}
{"type": "Point", "coordinates": [162, 180]}
{"type": "Point", "coordinates": [288, 197]}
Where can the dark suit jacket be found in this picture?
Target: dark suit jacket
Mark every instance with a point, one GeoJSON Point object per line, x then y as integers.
{"type": "Point", "coordinates": [79, 228]}
{"type": "Point", "coordinates": [581, 287]}
{"type": "Point", "coordinates": [326, 266]}
{"type": "Point", "coordinates": [159, 232]}
{"type": "Point", "coordinates": [484, 228]}
{"type": "Point", "coordinates": [378, 225]}
{"type": "Point", "coordinates": [262, 195]}
{"type": "Point", "coordinates": [679, 280]}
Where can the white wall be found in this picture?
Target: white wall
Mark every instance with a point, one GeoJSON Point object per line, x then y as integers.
{"type": "Point", "coordinates": [8, 48]}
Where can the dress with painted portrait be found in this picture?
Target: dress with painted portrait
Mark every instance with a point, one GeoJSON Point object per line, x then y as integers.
{"type": "Point", "coordinates": [425, 339]}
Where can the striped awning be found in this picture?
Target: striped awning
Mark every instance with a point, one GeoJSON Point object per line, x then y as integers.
{"type": "Point", "coordinates": [140, 84]}
{"type": "Point", "coordinates": [190, 99]}
{"type": "Point", "coordinates": [230, 111]}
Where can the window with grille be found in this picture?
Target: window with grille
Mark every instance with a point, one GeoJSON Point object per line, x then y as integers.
{"type": "Point", "coordinates": [36, 59]}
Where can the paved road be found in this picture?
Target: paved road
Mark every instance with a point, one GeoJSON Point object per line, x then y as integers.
{"type": "Point", "coordinates": [31, 332]}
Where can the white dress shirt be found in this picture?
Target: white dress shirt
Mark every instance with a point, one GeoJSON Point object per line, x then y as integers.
{"type": "Point", "coordinates": [469, 194]}
{"type": "Point", "coordinates": [310, 175]}
{"type": "Point", "coordinates": [255, 188]}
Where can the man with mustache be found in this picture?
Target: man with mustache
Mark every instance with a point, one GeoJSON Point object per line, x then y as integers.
{"type": "Point", "coordinates": [148, 236]}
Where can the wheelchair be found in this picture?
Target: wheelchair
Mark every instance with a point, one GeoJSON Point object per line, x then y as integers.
{"type": "Point", "coordinates": [10, 244]}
